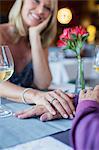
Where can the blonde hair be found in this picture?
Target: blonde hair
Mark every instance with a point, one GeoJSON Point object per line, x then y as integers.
{"type": "Point", "coordinates": [48, 33]}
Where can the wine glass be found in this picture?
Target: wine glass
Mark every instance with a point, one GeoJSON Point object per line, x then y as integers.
{"type": "Point", "coordinates": [96, 59]}
{"type": "Point", "coordinates": [6, 71]}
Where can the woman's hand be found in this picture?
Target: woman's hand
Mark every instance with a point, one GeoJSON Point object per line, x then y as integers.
{"type": "Point", "coordinates": [39, 28]}
{"type": "Point", "coordinates": [37, 110]}
{"type": "Point", "coordinates": [56, 101]}
{"type": "Point", "coordinates": [90, 94]}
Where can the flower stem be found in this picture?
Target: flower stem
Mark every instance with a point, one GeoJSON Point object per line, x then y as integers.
{"type": "Point", "coordinates": [80, 83]}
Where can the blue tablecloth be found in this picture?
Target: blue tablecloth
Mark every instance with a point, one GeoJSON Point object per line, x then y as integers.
{"type": "Point", "coordinates": [14, 131]}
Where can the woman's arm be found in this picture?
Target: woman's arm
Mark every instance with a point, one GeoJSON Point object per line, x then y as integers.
{"type": "Point", "coordinates": [53, 101]}
{"type": "Point", "coordinates": [42, 74]}
{"type": "Point", "coordinates": [14, 92]}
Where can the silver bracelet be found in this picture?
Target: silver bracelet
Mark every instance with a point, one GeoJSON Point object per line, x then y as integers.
{"type": "Point", "coordinates": [23, 93]}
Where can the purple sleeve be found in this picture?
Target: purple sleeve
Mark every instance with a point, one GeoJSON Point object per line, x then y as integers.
{"type": "Point", "coordinates": [85, 129]}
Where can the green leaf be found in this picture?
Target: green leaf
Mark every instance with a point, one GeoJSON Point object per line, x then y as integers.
{"type": "Point", "coordinates": [74, 36]}
{"type": "Point", "coordinates": [79, 37]}
{"type": "Point", "coordinates": [68, 43]}
{"type": "Point", "coordinates": [66, 48]}
{"type": "Point", "coordinates": [84, 38]}
{"type": "Point", "coordinates": [79, 44]}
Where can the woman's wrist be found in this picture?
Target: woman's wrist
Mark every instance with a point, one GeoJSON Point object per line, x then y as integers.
{"type": "Point", "coordinates": [23, 95]}
{"type": "Point", "coordinates": [29, 95]}
{"type": "Point", "coordinates": [34, 38]}
{"type": "Point", "coordinates": [33, 32]}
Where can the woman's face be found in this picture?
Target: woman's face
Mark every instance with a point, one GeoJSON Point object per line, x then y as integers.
{"type": "Point", "coordinates": [35, 11]}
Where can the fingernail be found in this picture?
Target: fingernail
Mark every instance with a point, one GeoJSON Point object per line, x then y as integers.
{"type": "Point", "coordinates": [71, 116]}
{"type": "Point", "coordinates": [19, 117]}
{"type": "Point", "coordinates": [74, 113]}
{"type": "Point", "coordinates": [53, 112]}
{"type": "Point", "coordinates": [43, 119]}
{"type": "Point", "coordinates": [65, 116]}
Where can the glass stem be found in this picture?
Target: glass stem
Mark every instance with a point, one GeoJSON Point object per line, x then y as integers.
{"type": "Point", "coordinates": [0, 101]}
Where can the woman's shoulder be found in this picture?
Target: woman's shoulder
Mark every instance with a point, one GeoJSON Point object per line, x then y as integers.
{"type": "Point", "coordinates": [4, 27]}
{"type": "Point", "coordinates": [4, 32]}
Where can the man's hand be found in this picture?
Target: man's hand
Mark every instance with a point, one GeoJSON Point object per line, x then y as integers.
{"type": "Point", "coordinates": [37, 110]}
{"type": "Point", "coordinates": [90, 94]}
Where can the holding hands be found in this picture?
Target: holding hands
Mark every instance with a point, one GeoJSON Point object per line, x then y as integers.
{"type": "Point", "coordinates": [51, 105]}
{"type": "Point", "coordinates": [57, 101]}
{"type": "Point", "coordinates": [57, 104]}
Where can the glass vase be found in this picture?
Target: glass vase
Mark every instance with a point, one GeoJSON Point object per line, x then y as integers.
{"type": "Point", "coordinates": [80, 82]}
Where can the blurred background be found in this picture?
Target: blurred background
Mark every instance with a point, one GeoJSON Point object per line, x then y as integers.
{"type": "Point", "coordinates": [63, 64]}
{"type": "Point", "coordinates": [84, 12]}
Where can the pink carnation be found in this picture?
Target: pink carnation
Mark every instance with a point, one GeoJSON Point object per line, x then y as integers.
{"type": "Point", "coordinates": [68, 40]}
{"type": "Point", "coordinates": [66, 34]}
{"type": "Point", "coordinates": [61, 43]}
{"type": "Point", "coordinates": [78, 31]}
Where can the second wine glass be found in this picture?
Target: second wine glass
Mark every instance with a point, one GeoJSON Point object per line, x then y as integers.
{"type": "Point", "coordinates": [96, 59]}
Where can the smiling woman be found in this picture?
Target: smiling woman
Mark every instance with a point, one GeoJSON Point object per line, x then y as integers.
{"type": "Point", "coordinates": [35, 11]}
{"type": "Point", "coordinates": [29, 32]}
{"type": "Point", "coordinates": [31, 29]}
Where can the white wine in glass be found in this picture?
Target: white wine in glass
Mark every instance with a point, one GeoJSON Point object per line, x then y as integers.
{"type": "Point", "coordinates": [96, 60]}
{"type": "Point", "coordinates": [6, 71]}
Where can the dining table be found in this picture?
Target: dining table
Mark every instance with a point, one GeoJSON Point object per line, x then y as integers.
{"type": "Point", "coordinates": [31, 133]}
{"type": "Point", "coordinates": [19, 134]}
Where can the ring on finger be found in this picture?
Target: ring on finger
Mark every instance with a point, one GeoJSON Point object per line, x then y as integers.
{"type": "Point", "coordinates": [53, 100]}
